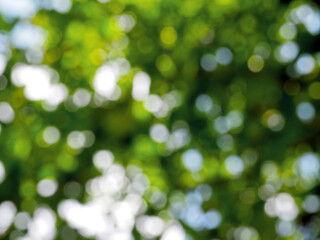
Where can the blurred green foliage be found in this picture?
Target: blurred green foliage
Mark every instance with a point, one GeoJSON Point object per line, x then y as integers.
{"type": "Point", "coordinates": [220, 95]}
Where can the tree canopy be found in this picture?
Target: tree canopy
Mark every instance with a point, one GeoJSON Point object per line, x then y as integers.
{"type": "Point", "coordinates": [149, 119]}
